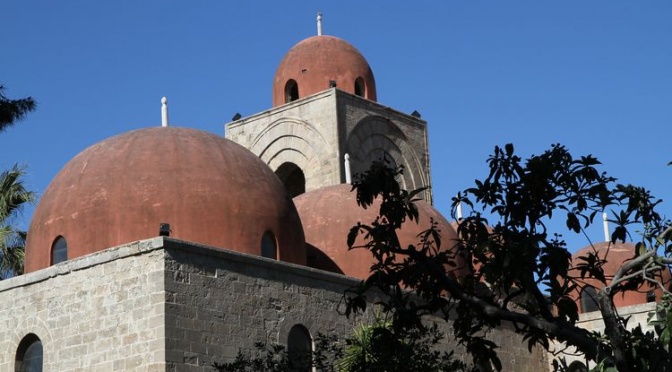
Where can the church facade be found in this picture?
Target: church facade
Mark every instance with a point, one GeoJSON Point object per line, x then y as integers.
{"type": "Point", "coordinates": [169, 249]}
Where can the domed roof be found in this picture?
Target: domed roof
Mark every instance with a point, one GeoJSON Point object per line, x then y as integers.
{"type": "Point", "coordinates": [312, 64]}
{"type": "Point", "coordinates": [615, 255]}
{"type": "Point", "coordinates": [329, 213]}
{"type": "Point", "coordinates": [210, 190]}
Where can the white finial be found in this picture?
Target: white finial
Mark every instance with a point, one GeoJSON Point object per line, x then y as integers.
{"type": "Point", "coordinates": [606, 227]}
{"type": "Point", "coordinates": [164, 112]}
{"type": "Point", "coordinates": [459, 210]}
{"type": "Point", "coordinates": [348, 176]}
{"type": "Point", "coordinates": [319, 23]}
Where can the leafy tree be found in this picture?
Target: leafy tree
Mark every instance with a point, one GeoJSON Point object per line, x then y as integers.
{"type": "Point", "coordinates": [13, 194]}
{"type": "Point", "coordinates": [520, 272]}
{"type": "Point", "coordinates": [372, 347]}
{"type": "Point", "coordinates": [379, 347]}
{"type": "Point", "coordinates": [13, 110]}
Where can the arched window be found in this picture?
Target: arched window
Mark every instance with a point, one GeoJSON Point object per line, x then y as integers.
{"type": "Point", "coordinates": [59, 250]}
{"type": "Point", "coordinates": [300, 347]}
{"type": "Point", "coordinates": [29, 354]}
{"type": "Point", "coordinates": [589, 299]}
{"type": "Point", "coordinates": [577, 366]}
{"type": "Point", "coordinates": [269, 247]}
{"type": "Point", "coordinates": [291, 91]}
{"type": "Point", "coordinates": [292, 177]}
{"type": "Point", "coordinates": [360, 88]}
{"type": "Point", "coordinates": [650, 296]}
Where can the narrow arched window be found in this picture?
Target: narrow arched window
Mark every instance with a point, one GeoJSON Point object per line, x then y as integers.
{"type": "Point", "coordinates": [589, 299]}
{"type": "Point", "coordinates": [59, 250]}
{"type": "Point", "coordinates": [269, 247]}
{"type": "Point", "coordinates": [29, 354]}
{"type": "Point", "coordinates": [291, 91]}
{"type": "Point", "coordinates": [360, 88]}
{"type": "Point", "coordinates": [300, 348]}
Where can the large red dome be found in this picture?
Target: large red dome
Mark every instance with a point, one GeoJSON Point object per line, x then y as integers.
{"type": "Point", "coordinates": [209, 189]}
{"type": "Point", "coordinates": [329, 213]}
{"type": "Point", "coordinates": [314, 64]}
{"type": "Point", "coordinates": [615, 255]}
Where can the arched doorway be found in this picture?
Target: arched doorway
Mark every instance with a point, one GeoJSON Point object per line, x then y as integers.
{"type": "Point", "coordinates": [293, 178]}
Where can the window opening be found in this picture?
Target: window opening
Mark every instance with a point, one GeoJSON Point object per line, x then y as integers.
{"type": "Point", "coordinates": [291, 91]}
{"type": "Point", "coordinates": [293, 178]}
{"type": "Point", "coordinates": [299, 348]}
{"type": "Point", "coordinates": [59, 250]}
{"type": "Point", "coordinates": [577, 366]}
{"type": "Point", "coordinates": [29, 354]}
{"type": "Point", "coordinates": [269, 246]}
{"type": "Point", "coordinates": [650, 296]}
{"type": "Point", "coordinates": [589, 299]}
{"type": "Point", "coordinates": [360, 87]}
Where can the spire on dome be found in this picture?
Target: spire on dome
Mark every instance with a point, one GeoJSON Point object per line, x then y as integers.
{"type": "Point", "coordinates": [164, 112]}
{"type": "Point", "coordinates": [319, 23]}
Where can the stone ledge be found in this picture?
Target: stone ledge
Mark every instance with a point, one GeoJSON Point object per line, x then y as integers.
{"type": "Point", "coordinates": [84, 262]}
{"type": "Point", "coordinates": [165, 243]}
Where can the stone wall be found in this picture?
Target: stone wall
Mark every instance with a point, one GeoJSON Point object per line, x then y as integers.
{"type": "Point", "coordinates": [166, 305]}
{"type": "Point", "coordinates": [639, 315]}
{"type": "Point", "coordinates": [219, 302]}
{"type": "Point", "coordinates": [370, 131]}
{"type": "Point", "coordinates": [316, 132]}
{"type": "Point", "coordinates": [103, 312]}
{"type": "Point", "coordinates": [302, 132]}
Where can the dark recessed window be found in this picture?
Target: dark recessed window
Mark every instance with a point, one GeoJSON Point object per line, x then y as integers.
{"type": "Point", "coordinates": [577, 366]}
{"type": "Point", "coordinates": [269, 247]}
{"type": "Point", "coordinates": [293, 178]}
{"type": "Point", "coordinates": [650, 296]}
{"type": "Point", "coordinates": [360, 87]}
{"type": "Point", "coordinates": [299, 347]}
{"type": "Point", "coordinates": [59, 250]}
{"type": "Point", "coordinates": [589, 299]}
{"type": "Point", "coordinates": [29, 354]}
{"type": "Point", "coordinates": [291, 91]}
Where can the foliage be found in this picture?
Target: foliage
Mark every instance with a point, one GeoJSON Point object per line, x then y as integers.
{"type": "Point", "coordinates": [13, 194]}
{"type": "Point", "coordinates": [519, 271]}
{"type": "Point", "coordinates": [372, 347]}
{"type": "Point", "coordinates": [379, 347]}
{"type": "Point", "coordinates": [274, 358]}
{"type": "Point", "coordinates": [13, 110]}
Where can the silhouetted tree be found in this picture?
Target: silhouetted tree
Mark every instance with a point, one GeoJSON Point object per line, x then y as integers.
{"type": "Point", "coordinates": [13, 110]}
{"type": "Point", "coordinates": [517, 271]}
{"type": "Point", "coordinates": [13, 194]}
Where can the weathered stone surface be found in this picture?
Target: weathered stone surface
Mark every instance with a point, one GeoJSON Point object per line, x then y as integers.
{"type": "Point", "coordinates": [169, 305]}
{"type": "Point", "coordinates": [316, 132]}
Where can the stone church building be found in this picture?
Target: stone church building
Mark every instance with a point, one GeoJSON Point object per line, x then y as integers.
{"type": "Point", "coordinates": [168, 248]}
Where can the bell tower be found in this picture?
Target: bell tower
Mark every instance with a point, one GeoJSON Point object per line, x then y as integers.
{"type": "Point", "coordinates": [325, 109]}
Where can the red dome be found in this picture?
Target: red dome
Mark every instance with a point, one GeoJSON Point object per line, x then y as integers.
{"type": "Point", "coordinates": [312, 64]}
{"type": "Point", "coordinates": [616, 254]}
{"type": "Point", "coordinates": [329, 213]}
{"type": "Point", "coordinates": [210, 190]}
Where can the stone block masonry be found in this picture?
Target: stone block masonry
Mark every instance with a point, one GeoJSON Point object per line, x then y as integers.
{"type": "Point", "coordinates": [103, 312]}
{"type": "Point", "coordinates": [167, 305]}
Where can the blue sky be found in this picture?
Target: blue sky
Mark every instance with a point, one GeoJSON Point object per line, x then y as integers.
{"type": "Point", "coordinates": [594, 75]}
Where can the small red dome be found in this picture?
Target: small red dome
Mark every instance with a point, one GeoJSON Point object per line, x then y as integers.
{"type": "Point", "coordinates": [329, 213]}
{"type": "Point", "coordinates": [314, 64]}
{"type": "Point", "coordinates": [615, 255]}
{"type": "Point", "coordinates": [210, 190]}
